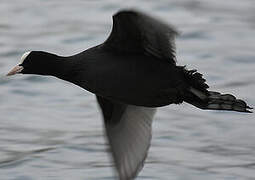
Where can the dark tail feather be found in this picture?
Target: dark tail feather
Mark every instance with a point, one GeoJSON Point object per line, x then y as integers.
{"type": "Point", "coordinates": [216, 101]}
{"type": "Point", "coordinates": [199, 96]}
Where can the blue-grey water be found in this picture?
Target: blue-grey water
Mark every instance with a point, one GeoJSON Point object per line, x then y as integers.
{"type": "Point", "coordinates": [52, 130]}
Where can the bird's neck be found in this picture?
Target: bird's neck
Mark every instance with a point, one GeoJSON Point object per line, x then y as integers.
{"type": "Point", "coordinates": [71, 68]}
{"type": "Point", "coordinates": [68, 68]}
{"type": "Point", "coordinates": [44, 63]}
{"type": "Point", "coordinates": [63, 68]}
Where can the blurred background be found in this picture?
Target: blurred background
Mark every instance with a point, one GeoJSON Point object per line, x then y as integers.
{"type": "Point", "coordinates": [51, 129]}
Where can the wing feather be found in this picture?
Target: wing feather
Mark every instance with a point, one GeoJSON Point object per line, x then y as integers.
{"type": "Point", "coordinates": [136, 32]}
{"type": "Point", "coordinates": [129, 136]}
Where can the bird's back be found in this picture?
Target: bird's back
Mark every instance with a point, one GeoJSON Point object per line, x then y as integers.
{"type": "Point", "coordinates": [131, 78]}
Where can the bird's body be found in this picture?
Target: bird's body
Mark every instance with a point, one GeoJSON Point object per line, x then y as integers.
{"type": "Point", "coordinates": [131, 73]}
{"type": "Point", "coordinates": [134, 79]}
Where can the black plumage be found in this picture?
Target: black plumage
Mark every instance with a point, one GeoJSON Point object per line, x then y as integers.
{"type": "Point", "coordinates": [131, 73]}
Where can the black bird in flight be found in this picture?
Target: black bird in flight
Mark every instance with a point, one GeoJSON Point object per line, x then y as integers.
{"type": "Point", "coordinates": [132, 73]}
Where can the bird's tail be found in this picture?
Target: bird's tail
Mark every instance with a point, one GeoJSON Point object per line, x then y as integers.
{"type": "Point", "coordinates": [216, 101]}
{"type": "Point", "coordinates": [199, 96]}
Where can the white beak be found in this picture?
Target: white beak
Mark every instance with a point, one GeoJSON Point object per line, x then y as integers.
{"type": "Point", "coordinates": [15, 70]}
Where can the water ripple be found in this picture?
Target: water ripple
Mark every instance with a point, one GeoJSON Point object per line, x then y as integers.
{"type": "Point", "coordinates": [53, 130]}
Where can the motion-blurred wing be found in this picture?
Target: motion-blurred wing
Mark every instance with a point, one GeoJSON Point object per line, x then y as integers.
{"type": "Point", "coordinates": [128, 129]}
{"type": "Point", "coordinates": [135, 32]}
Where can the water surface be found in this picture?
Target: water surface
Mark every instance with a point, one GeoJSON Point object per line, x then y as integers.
{"type": "Point", "coordinates": [51, 129]}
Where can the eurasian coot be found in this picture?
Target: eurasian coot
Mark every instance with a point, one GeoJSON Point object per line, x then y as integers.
{"type": "Point", "coordinates": [132, 73]}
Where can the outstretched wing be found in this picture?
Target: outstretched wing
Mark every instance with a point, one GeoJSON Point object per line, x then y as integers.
{"type": "Point", "coordinates": [128, 129]}
{"type": "Point", "coordinates": [136, 32]}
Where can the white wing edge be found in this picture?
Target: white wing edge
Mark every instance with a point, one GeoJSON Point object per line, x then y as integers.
{"type": "Point", "coordinates": [130, 140]}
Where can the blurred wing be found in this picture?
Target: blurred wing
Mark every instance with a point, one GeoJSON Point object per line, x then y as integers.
{"type": "Point", "coordinates": [128, 129]}
{"type": "Point", "coordinates": [135, 32]}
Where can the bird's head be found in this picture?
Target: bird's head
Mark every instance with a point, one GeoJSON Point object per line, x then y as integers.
{"type": "Point", "coordinates": [20, 67]}
{"type": "Point", "coordinates": [36, 62]}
